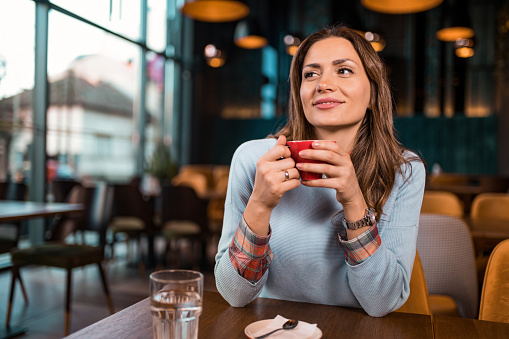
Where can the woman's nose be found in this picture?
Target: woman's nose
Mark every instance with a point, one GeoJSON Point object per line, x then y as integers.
{"type": "Point", "coordinates": [324, 85]}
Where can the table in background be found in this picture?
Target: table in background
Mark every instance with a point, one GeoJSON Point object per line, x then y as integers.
{"type": "Point", "coordinates": [22, 210]}
{"type": "Point", "coordinates": [220, 320]}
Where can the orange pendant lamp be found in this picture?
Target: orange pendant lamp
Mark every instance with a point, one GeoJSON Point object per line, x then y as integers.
{"type": "Point", "coordinates": [400, 6]}
{"type": "Point", "coordinates": [456, 22]}
{"type": "Point", "coordinates": [215, 10]}
{"type": "Point", "coordinates": [248, 34]}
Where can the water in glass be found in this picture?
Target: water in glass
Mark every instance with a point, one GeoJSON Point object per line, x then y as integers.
{"type": "Point", "coordinates": [175, 314]}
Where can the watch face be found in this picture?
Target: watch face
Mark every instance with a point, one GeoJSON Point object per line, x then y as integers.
{"type": "Point", "coordinates": [371, 216]}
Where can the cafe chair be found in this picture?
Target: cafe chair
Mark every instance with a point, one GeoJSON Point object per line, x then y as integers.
{"type": "Point", "coordinates": [13, 191]}
{"type": "Point", "coordinates": [61, 189]}
{"type": "Point", "coordinates": [442, 202]}
{"type": "Point", "coordinates": [446, 249]}
{"type": "Point", "coordinates": [132, 217]}
{"type": "Point", "coordinates": [489, 220]}
{"type": "Point", "coordinates": [70, 256]}
{"type": "Point", "coordinates": [215, 208]}
{"type": "Point", "coordinates": [495, 291]}
{"type": "Point", "coordinates": [9, 237]}
{"type": "Point", "coordinates": [9, 232]}
{"type": "Point", "coordinates": [417, 301]}
{"type": "Point", "coordinates": [197, 181]}
{"type": "Point", "coordinates": [66, 228]}
{"type": "Point", "coordinates": [184, 216]}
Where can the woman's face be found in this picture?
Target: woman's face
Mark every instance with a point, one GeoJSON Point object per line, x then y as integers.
{"type": "Point", "coordinates": [335, 89]}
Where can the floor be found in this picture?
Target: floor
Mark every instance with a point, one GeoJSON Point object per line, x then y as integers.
{"type": "Point", "coordinates": [43, 317]}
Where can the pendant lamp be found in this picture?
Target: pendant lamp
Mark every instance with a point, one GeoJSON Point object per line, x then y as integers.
{"type": "Point", "coordinates": [215, 10]}
{"type": "Point", "coordinates": [248, 34]}
{"type": "Point", "coordinates": [292, 43]}
{"type": "Point", "coordinates": [464, 48]}
{"type": "Point", "coordinates": [400, 6]}
{"type": "Point", "coordinates": [376, 41]}
{"type": "Point", "coordinates": [214, 56]}
{"type": "Point", "coordinates": [456, 23]}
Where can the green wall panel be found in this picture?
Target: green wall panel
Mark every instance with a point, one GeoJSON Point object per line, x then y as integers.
{"type": "Point", "coordinates": [458, 144]}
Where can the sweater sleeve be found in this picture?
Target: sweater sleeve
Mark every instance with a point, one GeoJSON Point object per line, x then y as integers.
{"type": "Point", "coordinates": [235, 289]}
{"type": "Point", "coordinates": [381, 283]}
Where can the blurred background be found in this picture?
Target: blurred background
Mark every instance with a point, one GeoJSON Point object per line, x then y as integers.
{"type": "Point", "coordinates": [152, 97]}
{"type": "Point", "coordinates": [90, 89]}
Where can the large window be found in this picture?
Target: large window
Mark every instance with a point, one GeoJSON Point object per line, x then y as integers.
{"type": "Point", "coordinates": [108, 87]}
{"type": "Point", "coordinates": [16, 80]}
{"type": "Point", "coordinates": [92, 88]}
{"type": "Point", "coordinates": [119, 16]}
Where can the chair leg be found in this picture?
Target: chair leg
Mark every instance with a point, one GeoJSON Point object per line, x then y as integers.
{"type": "Point", "coordinates": [68, 301]}
{"type": "Point", "coordinates": [25, 296]}
{"type": "Point", "coordinates": [15, 273]}
{"type": "Point", "coordinates": [105, 288]}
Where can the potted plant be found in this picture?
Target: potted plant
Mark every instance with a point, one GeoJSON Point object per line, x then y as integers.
{"type": "Point", "coordinates": [161, 166]}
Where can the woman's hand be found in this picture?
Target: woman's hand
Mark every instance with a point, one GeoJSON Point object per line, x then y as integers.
{"type": "Point", "coordinates": [340, 174]}
{"type": "Point", "coordinates": [270, 183]}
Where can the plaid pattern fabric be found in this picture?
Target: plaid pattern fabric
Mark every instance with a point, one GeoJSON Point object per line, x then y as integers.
{"type": "Point", "coordinates": [361, 248]}
{"type": "Point", "coordinates": [250, 254]}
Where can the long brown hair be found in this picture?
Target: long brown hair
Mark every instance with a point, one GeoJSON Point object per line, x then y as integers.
{"type": "Point", "coordinates": [377, 155]}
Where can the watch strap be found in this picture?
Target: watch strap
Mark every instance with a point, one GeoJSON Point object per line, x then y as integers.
{"type": "Point", "coordinates": [368, 220]}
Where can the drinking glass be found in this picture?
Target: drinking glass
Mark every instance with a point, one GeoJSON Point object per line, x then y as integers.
{"type": "Point", "coordinates": [176, 303]}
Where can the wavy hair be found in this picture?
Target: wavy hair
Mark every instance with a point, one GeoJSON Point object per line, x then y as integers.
{"type": "Point", "coordinates": [377, 155]}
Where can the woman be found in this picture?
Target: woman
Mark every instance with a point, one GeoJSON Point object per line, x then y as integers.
{"type": "Point", "coordinates": [348, 239]}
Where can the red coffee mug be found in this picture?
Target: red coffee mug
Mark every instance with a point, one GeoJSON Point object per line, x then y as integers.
{"type": "Point", "coordinates": [295, 148]}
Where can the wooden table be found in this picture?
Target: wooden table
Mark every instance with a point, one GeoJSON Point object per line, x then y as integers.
{"type": "Point", "coordinates": [220, 320]}
{"type": "Point", "coordinates": [446, 327]}
{"type": "Point", "coordinates": [20, 210]}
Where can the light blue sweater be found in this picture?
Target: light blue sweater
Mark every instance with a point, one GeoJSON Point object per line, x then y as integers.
{"type": "Point", "coordinates": [309, 262]}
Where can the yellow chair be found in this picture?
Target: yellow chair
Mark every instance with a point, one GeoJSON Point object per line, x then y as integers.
{"type": "Point", "coordinates": [442, 202]}
{"type": "Point", "coordinates": [197, 181]}
{"type": "Point", "coordinates": [489, 220]}
{"type": "Point", "coordinates": [418, 299]}
{"type": "Point", "coordinates": [495, 292]}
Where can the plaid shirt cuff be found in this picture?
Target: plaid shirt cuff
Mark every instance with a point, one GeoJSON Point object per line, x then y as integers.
{"type": "Point", "coordinates": [361, 248]}
{"type": "Point", "coordinates": [250, 253]}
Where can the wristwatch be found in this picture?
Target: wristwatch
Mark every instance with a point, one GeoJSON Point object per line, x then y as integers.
{"type": "Point", "coordinates": [368, 220]}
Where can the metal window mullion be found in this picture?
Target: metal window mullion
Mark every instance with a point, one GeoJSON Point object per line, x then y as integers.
{"type": "Point", "coordinates": [142, 91]}
{"type": "Point", "coordinates": [37, 152]}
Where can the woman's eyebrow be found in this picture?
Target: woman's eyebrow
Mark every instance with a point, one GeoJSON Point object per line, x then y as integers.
{"type": "Point", "coordinates": [334, 62]}
{"type": "Point", "coordinates": [312, 65]}
{"type": "Point", "coordinates": [340, 61]}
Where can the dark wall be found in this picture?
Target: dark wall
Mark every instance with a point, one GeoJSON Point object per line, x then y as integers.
{"type": "Point", "coordinates": [416, 62]}
{"type": "Point", "coordinates": [458, 144]}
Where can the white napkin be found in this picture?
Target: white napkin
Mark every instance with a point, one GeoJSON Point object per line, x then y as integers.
{"type": "Point", "coordinates": [303, 329]}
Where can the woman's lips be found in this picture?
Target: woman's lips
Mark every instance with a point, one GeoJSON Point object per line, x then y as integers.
{"type": "Point", "coordinates": [327, 103]}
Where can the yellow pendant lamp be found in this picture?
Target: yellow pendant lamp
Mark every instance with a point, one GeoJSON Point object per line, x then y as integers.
{"type": "Point", "coordinates": [215, 10]}
{"type": "Point", "coordinates": [400, 6]}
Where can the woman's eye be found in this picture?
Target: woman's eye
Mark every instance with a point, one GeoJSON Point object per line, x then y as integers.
{"type": "Point", "coordinates": [345, 70]}
{"type": "Point", "coordinates": [309, 74]}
